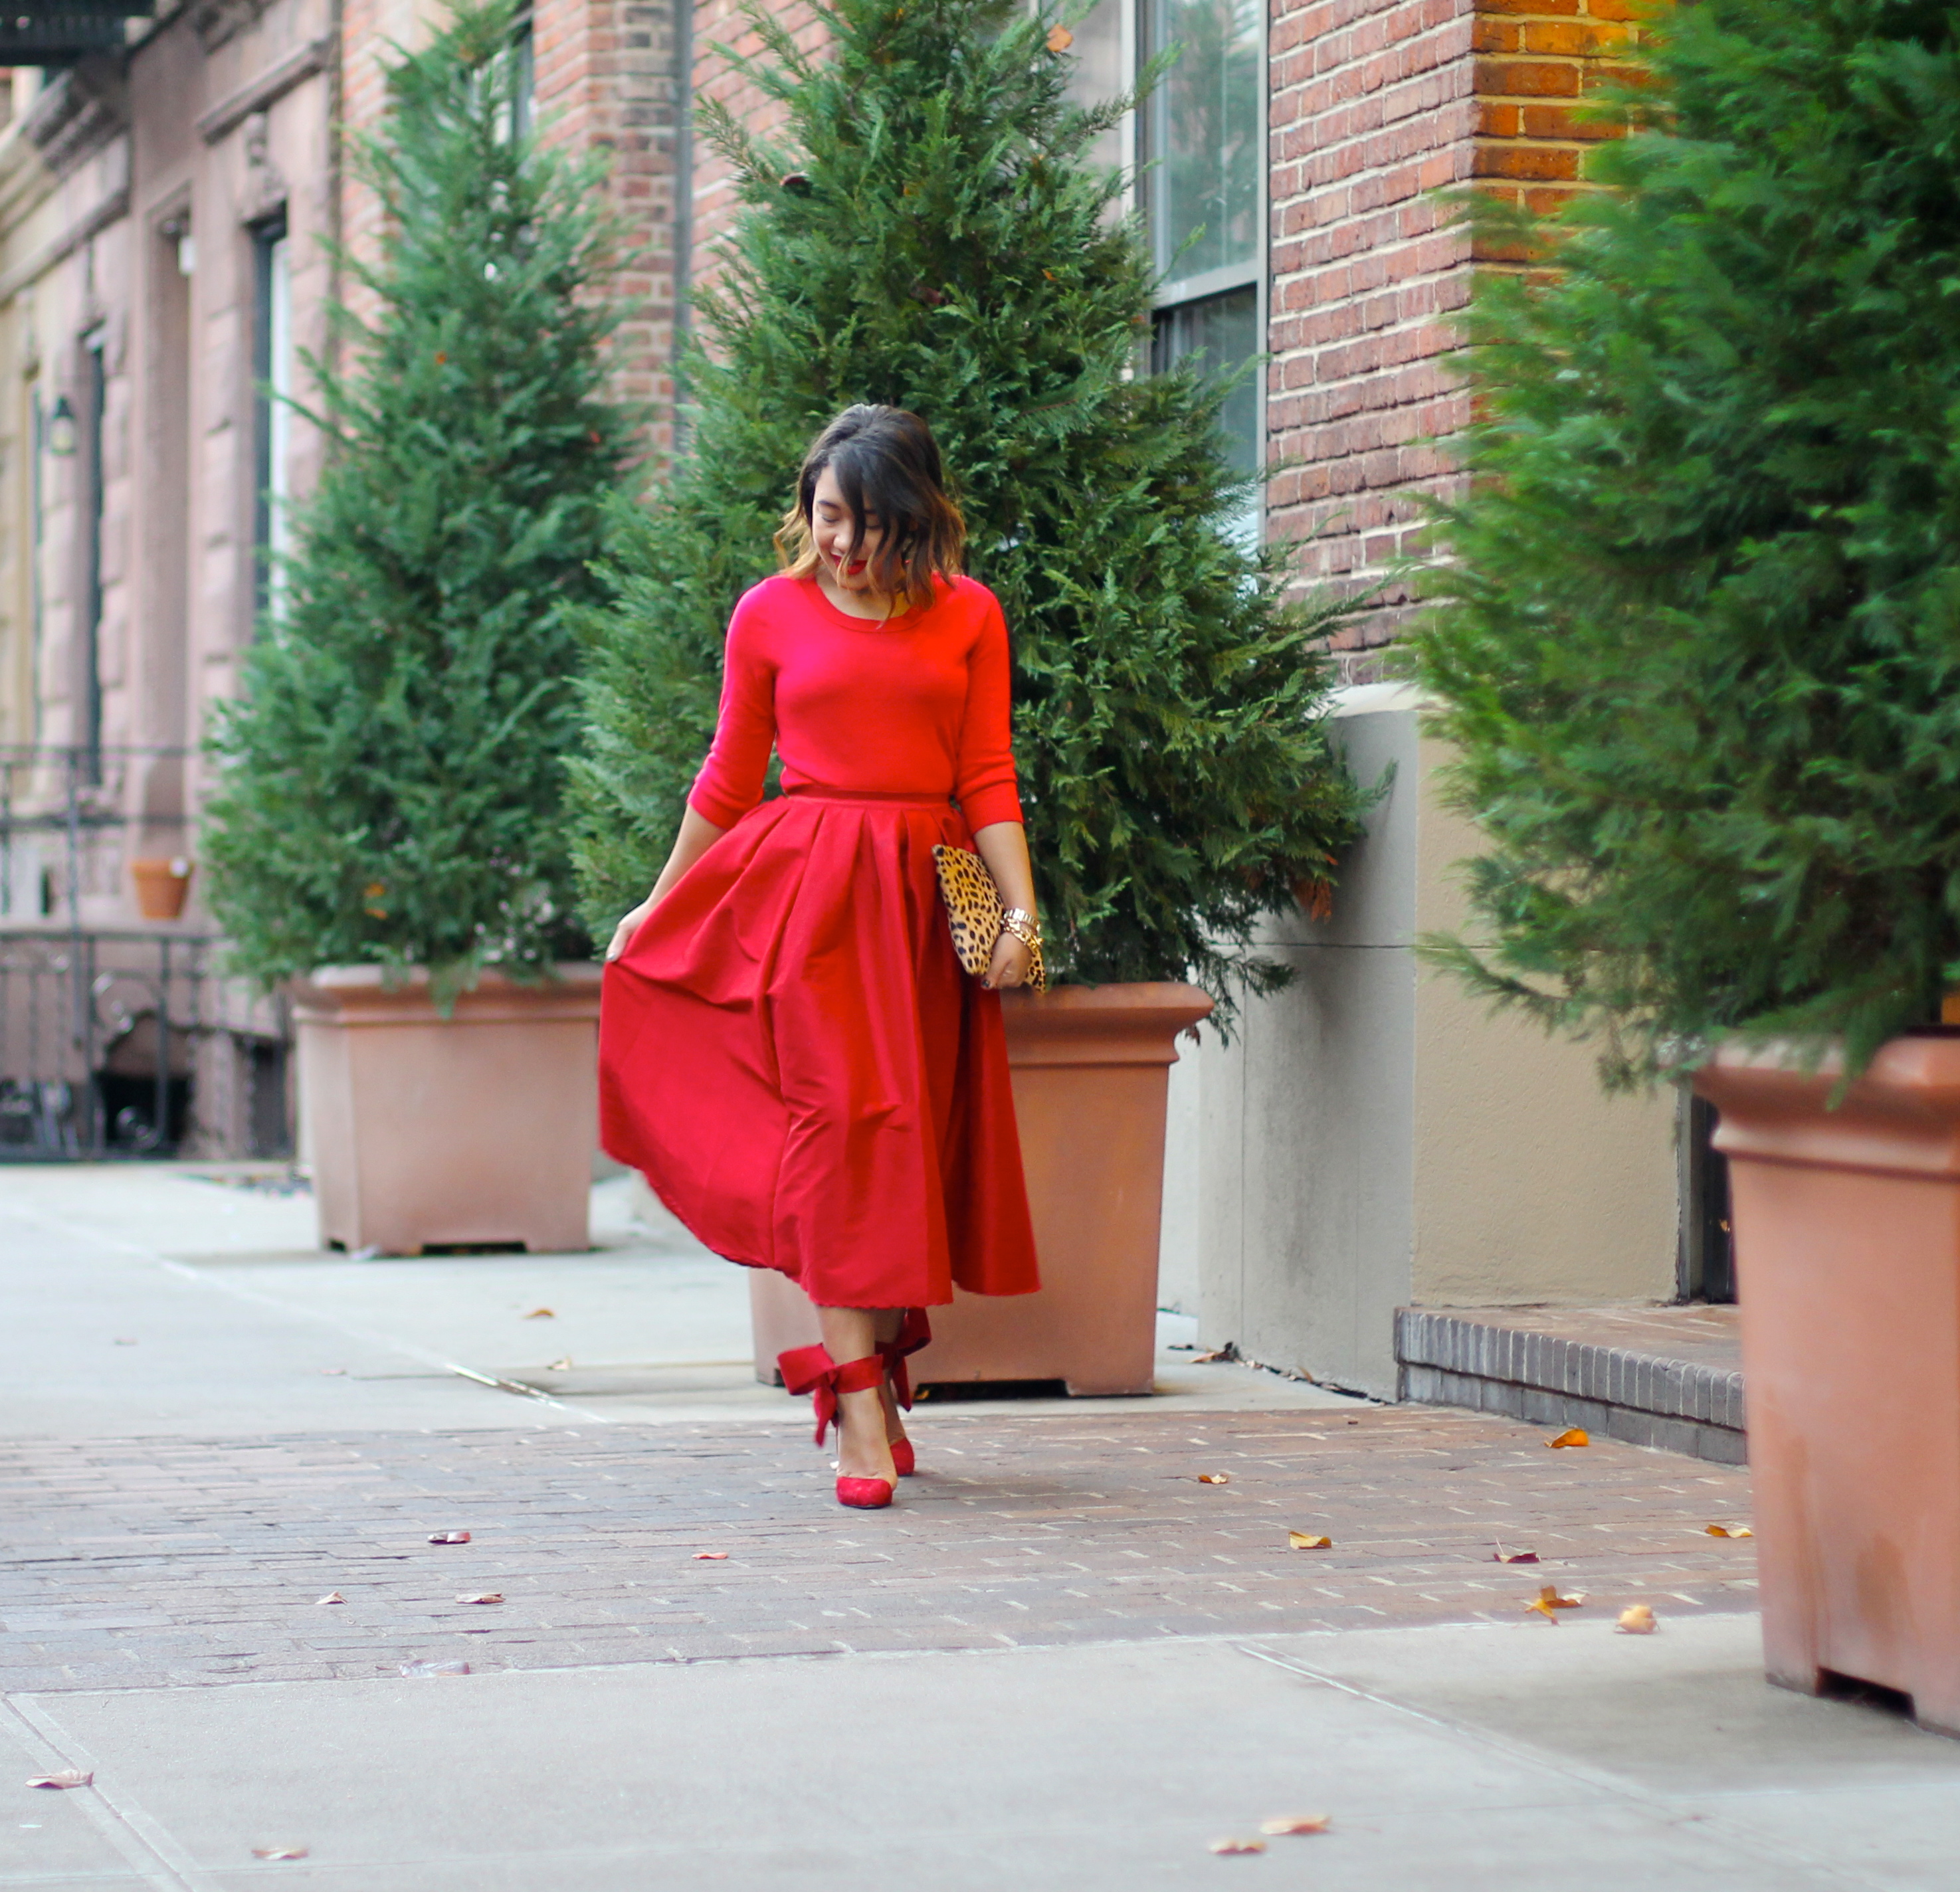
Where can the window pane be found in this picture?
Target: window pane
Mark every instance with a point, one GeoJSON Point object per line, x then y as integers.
{"type": "Point", "coordinates": [1225, 330]}
{"type": "Point", "coordinates": [1207, 135]}
{"type": "Point", "coordinates": [1097, 73]}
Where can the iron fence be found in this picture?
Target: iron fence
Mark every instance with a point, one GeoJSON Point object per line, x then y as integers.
{"type": "Point", "coordinates": [125, 1038]}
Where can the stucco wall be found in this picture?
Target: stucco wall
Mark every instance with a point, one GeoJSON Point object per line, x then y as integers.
{"type": "Point", "coordinates": [1370, 1138]}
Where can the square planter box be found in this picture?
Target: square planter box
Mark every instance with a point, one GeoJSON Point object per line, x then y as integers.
{"type": "Point", "coordinates": [475, 1129]}
{"type": "Point", "coordinates": [1091, 1068]}
{"type": "Point", "coordinates": [1847, 1252]}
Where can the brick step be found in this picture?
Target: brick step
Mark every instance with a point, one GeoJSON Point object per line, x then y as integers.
{"type": "Point", "coordinates": [1666, 1376]}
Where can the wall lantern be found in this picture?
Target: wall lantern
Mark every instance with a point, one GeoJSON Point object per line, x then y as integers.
{"type": "Point", "coordinates": [63, 435]}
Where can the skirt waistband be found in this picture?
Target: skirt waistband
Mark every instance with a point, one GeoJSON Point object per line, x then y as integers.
{"type": "Point", "coordinates": [816, 791]}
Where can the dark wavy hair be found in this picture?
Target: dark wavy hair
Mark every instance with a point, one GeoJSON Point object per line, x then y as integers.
{"type": "Point", "coordinates": [887, 465]}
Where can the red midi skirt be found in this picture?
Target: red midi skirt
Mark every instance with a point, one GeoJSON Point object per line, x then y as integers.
{"type": "Point", "coordinates": [790, 1054]}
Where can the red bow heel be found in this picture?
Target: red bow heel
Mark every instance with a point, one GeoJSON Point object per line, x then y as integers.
{"type": "Point", "coordinates": [914, 1333]}
{"type": "Point", "coordinates": [811, 1370]}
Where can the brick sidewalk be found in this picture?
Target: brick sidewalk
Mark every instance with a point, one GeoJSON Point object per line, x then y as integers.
{"type": "Point", "coordinates": [157, 1562]}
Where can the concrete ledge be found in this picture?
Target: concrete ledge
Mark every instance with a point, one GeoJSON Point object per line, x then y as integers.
{"type": "Point", "coordinates": [1489, 1364]}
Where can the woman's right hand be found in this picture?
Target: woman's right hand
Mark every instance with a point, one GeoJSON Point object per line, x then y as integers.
{"type": "Point", "coordinates": [622, 934]}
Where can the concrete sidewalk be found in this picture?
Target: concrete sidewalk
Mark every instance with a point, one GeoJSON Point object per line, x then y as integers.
{"type": "Point", "coordinates": [1060, 1662]}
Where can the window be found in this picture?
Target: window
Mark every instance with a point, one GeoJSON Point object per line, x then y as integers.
{"type": "Point", "coordinates": [1203, 137]}
{"type": "Point", "coordinates": [272, 387]}
{"type": "Point", "coordinates": [1201, 150]}
{"type": "Point", "coordinates": [521, 69]}
{"type": "Point", "coordinates": [95, 395]}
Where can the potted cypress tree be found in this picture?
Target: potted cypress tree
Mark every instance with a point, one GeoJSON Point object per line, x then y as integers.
{"type": "Point", "coordinates": [387, 830]}
{"type": "Point", "coordinates": [926, 230]}
{"type": "Point", "coordinates": [1701, 654]}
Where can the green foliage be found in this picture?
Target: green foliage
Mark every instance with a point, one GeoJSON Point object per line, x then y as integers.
{"type": "Point", "coordinates": [1701, 652]}
{"type": "Point", "coordinates": [392, 778]}
{"type": "Point", "coordinates": [931, 235]}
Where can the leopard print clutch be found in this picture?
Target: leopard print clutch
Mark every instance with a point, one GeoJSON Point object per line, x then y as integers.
{"type": "Point", "coordinates": [973, 909]}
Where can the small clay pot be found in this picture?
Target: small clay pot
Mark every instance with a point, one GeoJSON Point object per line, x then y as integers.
{"type": "Point", "coordinates": [162, 887]}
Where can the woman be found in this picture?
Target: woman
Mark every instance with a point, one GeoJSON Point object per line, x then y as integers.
{"type": "Point", "coordinates": [789, 1050]}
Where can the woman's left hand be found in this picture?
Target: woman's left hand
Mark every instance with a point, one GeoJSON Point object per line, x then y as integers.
{"type": "Point", "coordinates": [1011, 964]}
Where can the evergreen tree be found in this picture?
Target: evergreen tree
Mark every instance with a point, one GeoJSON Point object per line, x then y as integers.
{"type": "Point", "coordinates": [390, 782]}
{"type": "Point", "coordinates": [1702, 652]}
{"type": "Point", "coordinates": [928, 232]}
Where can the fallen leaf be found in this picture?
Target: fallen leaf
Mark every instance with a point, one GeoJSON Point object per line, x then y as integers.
{"type": "Point", "coordinates": [1295, 1823]}
{"type": "Point", "coordinates": [435, 1668]}
{"type": "Point", "coordinates": [1549, 1595]}
{"type": "Point", "coordinates": [481, 1596]}
{"type": "Point", "coordinates": [1205, 1359]}
{"type": "Point", "coordinates": [1545, 1610]}
{"type": "Point", "coordinates": [1059, 39]}
{"type": "Point", "coordinates": [710, 1557]}
{"type": "Point", "coordinates": [279, 1852]}
{"type": "Point", "coordinates": [1500, 1555]}
{"type": "Point", "coordinates": [1214, 1477]}
{"type": "Point", "coordinates": [1300, 1540]}
{"type": "Point", "coordinates": [1728, 1531]}
{"type": "Point", "coordinates": [1238, 1845]}
{"type": "Point", "coordinates": [1572, 1435]}
{"type": "Point", "coordinates": [449, 1536]}
{"type": "Point", "coordinates": [331, 1596]}
{"type": "Point", "coordinates": [1637, 1620]}
{"type": "Point", "coordinates": [68, 1777]}
{"type": "Point", "coordinates": [541, 1314]}
{"type": "Point", "coordinates": [559, 1366]}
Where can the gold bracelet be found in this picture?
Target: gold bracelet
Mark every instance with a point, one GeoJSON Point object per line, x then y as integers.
{"type": "Point", "coordinates": [1023, 926]}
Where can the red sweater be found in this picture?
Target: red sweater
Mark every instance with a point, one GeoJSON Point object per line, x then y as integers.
{"type": "Point", "coordinates": [917, 704]}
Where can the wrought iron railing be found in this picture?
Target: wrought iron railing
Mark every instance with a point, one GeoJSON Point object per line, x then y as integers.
{"type": "Point", "coordinates": [125, 1038]}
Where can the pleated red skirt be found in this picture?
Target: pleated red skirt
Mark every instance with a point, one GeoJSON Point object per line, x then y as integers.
{"type": "Point", "coordinates": [791, 1055]}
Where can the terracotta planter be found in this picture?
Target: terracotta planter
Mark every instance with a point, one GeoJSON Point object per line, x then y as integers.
{"type": "Point", "coordinates": [1848, 1251]}
{"type": "Point", "coordinates": [162, 887]}
{"type": "Point", "coordinates": [1091, 1069]}
{"type": "Point", "coordinates": [475, 1129]}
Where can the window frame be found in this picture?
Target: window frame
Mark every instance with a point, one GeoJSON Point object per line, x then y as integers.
{"type": "Point", "coordinates": [1179, 295]}
{"type": "Point", "coordinates": [271, 417]}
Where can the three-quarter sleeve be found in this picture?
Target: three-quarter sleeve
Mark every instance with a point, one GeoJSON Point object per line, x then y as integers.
{"type": "Point", "coordinates": [985, 778]}
{"type": "Point", "coordinates": [730, 781]}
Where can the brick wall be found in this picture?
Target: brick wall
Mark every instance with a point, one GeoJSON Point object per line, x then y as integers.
{"type": "Point", "coordinates": [605, 80]}
{"type": "Point", "coordinates": [1375, 105]}
{"type": "Point", "coordinates": [1537, 62]}
{"type": "Point", "coordinates": [719, 23]}
{"type": "Point", "coordinates": [1372, 109]}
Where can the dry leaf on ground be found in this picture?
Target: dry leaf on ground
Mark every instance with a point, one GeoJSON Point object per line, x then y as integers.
{"type": "Point", "coordinates": [1572, 1435]}
{"type": "Point", "coordinates": [1303, 1540]}
{"type": "Point", "coordinates": [1205, 1359]}
{"type": "Point", "coordinates": [435, 1668]}
{"type": "Point", "coordinates": [449, 1536]}
{"type": "Point", "coordinates": [541, 1314]}
{"type": "Point", "coordinates": [710, 1557]}
{"type": "Point", "coordinates": [1214, 1477]}
{"type": "Point", "coordinates": [1295, 1823]}
{"type": "Point", "coordinates": [1500, 1555]}
{"type": "Point", "coordinates": [1637, 1620]}
{"type": "Point", "coordinates": [1059, 39]}
{"type": "Point", "coordinates": [1728, 1531]}
{"type": "Point", "coordinates": [331, 1596]}
{"type": "Point", "coordinates": [1238, 1845]}
{"type": "Point", "coordinates": [481, 1596]}
{"type": "Point", "coordinates": [1548, 1603]}
{"type": "Point", "coordinates": [66, 1777]}
{"type": "Point", "coordinates": [559, 1366]}
{"type": "Point", "coordinates": [279, 1852]}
